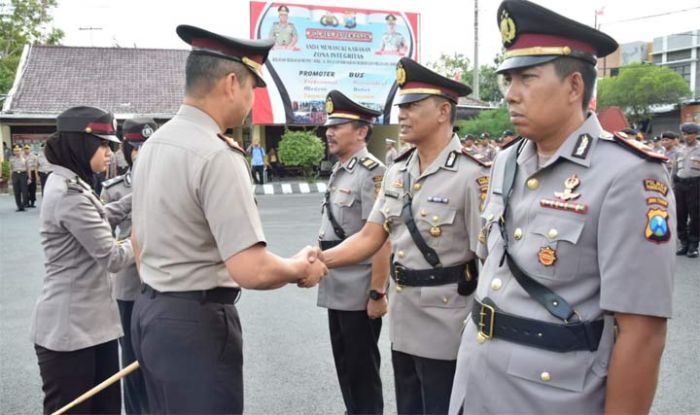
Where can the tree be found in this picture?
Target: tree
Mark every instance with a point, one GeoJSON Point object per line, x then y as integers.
{"type": "Point", "coordinates": [303, 149]}
{"type": "Point", "coordinates": [25, 22]}
{"type": "Point", "coordinates": [640, 86]}
{"type": "Point", "coordinates": [458, 66]}
{"type": "Point", "coordinates": [492, 121]}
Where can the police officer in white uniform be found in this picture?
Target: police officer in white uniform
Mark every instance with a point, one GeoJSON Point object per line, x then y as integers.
{"type": "Point", "coordinates": [197, 233]}
{"type": "Point", "coordinates": [75, 325]}
{"type": "Point", "coordinates": [355, 296]}
{"type": "Point", "coordinates": [577, 234]}
{"type": "Point", "coordinates": [126, 283]}
{"type": "Point", "coordinates": [18, 167]}
{"type": "Point", "coordinates": [428, 206]}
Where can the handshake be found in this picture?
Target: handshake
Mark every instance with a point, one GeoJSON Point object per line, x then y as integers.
{"type": "Point", "coordinates": [310, 260]}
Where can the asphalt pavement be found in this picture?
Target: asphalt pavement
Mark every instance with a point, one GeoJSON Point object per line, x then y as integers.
{"type": "Point", "coordinates": [288, 365]}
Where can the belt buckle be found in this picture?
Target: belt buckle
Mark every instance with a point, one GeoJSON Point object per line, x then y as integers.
{"type": "Point", "coordinates": [483, 335]}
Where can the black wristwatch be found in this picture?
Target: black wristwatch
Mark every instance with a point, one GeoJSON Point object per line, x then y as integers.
{"type": "Point", "coordinates": [376, 295]}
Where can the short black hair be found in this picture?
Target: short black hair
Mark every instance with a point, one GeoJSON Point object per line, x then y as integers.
{"type": "Point", "coordinates": [566, 66]}
{"type": "Point", "coordinates": [202, 72]}
{"type": "Point", "coordinates": [360, 124]}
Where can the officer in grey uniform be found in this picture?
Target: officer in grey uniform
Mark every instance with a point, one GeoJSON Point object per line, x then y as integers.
{"type": "Point", "coordinates": [283, 33]}
{"type": "Point", "coordinates": [428, 206]}
{"type": "Point", "coordinates": [198, 237]}
{"type": "Point", "coordinates": [44, 168]}
{"type": "Point", "coordinates": [355, 296]}
{"type": "Point", "coordinates": [75, 324]}
{"type": "Point", "coordinates": [577, 234]}
{"type": "Point", "coordinates": [126, 283]}
{"type": "Point", "coordinates": [669, 148]}
{"type": "Point", "coordinates": [686, 186]}
{"type": "Point", "coordinates": [18, 166]}
{"type": "Point", "coordinates": [391, 152]}
{"type": "Point", "coordinates": [32, 175]}
{"type": "Point", "coordinates": [392, 41]}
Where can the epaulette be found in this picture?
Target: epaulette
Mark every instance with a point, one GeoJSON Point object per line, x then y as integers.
{"type": "Point", "coordinates": [369, 163]}
{"type": "Point", "coordinates": [232, 143]}
{"type": "Point", "coordinates": [405, 154]}
{"type": "Point", "coordinates": [479, 158]}
{"type": "Point", "coordinates": [634, 146]}
{"type": "Point", "coordinates": [111, 182]}
{"type": "Point", "coordinates": [76, 185]}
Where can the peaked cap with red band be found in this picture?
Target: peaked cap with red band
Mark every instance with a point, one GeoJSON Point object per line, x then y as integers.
{"type": "Point", "coordinates": [533, 35]}
{"type": "Point", "coordinates": [341, 109]}
{"type": "Point", "coordinates": [251, 53]}
{"type": "Point", "coordinates": [136, 131]}
{"type": "Point", "coordinates": [416, 82]}
{"type": "Point", "coordinates": [88, 120]}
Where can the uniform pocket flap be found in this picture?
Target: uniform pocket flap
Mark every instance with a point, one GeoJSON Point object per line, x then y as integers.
{"type": "Point", "coordinates": [444, 296]}
{"type": "Point", "coordinates": [344, 199]}
{"type": "Point", "coordinates": [560, 370]}
{"type": "Point", "coordinates": [557, 228]}
{"type": "Point", "coordinates": [435, 215]}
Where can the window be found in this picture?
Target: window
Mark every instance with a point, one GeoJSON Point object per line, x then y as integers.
{"type": "Point", "coordinates": [657, 58]}
{"type": "Point", "coordinates": [682, 70]}
{"type": "Point", "coordinates": [678, 55]}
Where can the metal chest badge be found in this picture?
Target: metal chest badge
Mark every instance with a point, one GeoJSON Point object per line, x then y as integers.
{"type": "Point", "coordinates": [547, 256]}
{"type": "Point", "coordinates": [564, 199]}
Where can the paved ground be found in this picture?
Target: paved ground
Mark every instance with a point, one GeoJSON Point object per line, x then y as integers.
{"type": "Point", "coordinates": [288, 363]}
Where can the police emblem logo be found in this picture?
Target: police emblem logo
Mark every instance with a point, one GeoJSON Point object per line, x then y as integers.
{"type": "Point", "coordinates": [329, 105]}
{"type": "Point", "coordinates": [508, 29]}
{"type": "Point", "coordinates": [547, 256]}
{"type": "Point", "coordinates": [657, 228]}
{"type": "Point", "coordinates": [147, 131]}
{"type": "Point", "coordinates": [400, 75]}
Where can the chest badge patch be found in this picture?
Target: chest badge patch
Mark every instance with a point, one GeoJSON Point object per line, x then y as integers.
{"type": "Point", "coordinates": [564, 199]}
{"type": "Point", "coordinates": [547, 256]}
{"type": "Point", "coordinates": [570, 184]}
{"type": "Point", "coordinates": [657, 229]}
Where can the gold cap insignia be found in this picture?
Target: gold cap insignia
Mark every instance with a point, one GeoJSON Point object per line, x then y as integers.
{"type": "Point", "coordinates": [329, 105]}
{"type": "Point", "coordinates": [400, 75]}
{"type": "Point", "coordinates": [508, 30]}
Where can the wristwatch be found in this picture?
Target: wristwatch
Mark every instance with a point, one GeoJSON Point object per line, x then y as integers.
{"type": "Point", "coordinates": [376, 295]}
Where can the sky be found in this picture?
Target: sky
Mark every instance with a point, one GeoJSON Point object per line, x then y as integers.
{"type": "Point", "coordinates": [446, 26]}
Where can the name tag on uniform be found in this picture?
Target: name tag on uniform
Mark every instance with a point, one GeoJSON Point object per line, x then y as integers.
{"type": "Point", "coordinates": [392, 194]}
{"type": "Point", "coordinates": [438, 199]}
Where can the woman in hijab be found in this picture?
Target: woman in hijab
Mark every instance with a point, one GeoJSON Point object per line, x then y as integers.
{"type": "Point", "coordinates": [76, 324]}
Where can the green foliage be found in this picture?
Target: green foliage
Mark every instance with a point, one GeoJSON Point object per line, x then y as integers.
{"type": "Point", "coordinates": [6, 170]}
{"type": "Point", "coordinates": [303, 149]}
{"type": "Point", "coordinates": [638, 87]}
{"type": "Point", "coordinates": [458, 64]}
{"type": "Point", "coordinates": [492, 121]}
{"type": "Point", "coordinates": [27, 22]}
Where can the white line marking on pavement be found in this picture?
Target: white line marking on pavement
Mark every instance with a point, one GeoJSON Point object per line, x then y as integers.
{"type": "Point", "coordinates": [268, 189]}
{"type": "Point", "coordinates": [304, 188]}
{"type": "Point", "coordinates": [286, 188]}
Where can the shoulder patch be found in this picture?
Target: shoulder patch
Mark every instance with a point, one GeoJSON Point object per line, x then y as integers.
{"type": "Point", "coordinates": [74, 185]}
{"type": "Point", "coordinates": [368, 163]}
{"type": "Point", "coordinates": [405, 154]}
{"type": "Point", "coordinates": [111, 182]}
{"type": "Point", "coordinates": [637, 148]}
{"type": "Point", "coordinates": [232, 144]}
{"type": "Point", "coordinates": [477, 158]}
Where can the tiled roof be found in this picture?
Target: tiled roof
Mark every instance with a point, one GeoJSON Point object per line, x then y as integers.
{"type": "Point", "coordinates": [120, 80]}
{"type": "Point", "coordinates": [472, 102]}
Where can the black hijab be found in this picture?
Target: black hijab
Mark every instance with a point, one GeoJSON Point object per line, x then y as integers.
{"type": "Point", "coordinates": [73, 151]}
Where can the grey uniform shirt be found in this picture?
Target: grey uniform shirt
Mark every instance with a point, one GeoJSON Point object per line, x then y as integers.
{"type": "Point", "coordinates": [688, 161]}
{"type": "Point", "coordinates": [75, 309]}
{"type": "Point", "coordinates": [353, 189]}
{"type": "Point", "coordinates": [44, 165]}
{"type": "Point", "coordinates": [607, 261]}
{"type": "Point", "coordinates": [18, 163]}
{"type": "Point", "coordinates": [126, 283]}
{"type": "Point", "coordinates": [426, 321]}
{"type": "Point", "coordinates": [193, 205]}
{"type": "Point", "coordinates": [32, 161]}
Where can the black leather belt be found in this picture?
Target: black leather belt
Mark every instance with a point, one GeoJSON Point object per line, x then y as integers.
{"type": "Point", "coordinates": [569, 337]}
{"type": "Point", "coordinates": [220, 295]}
{"type": "Point", "coordinates": [329, 244]}
{"type": "Point", "coordinates": [427, 277]}
{"type": "Point", "coordinates": [19, 171]}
